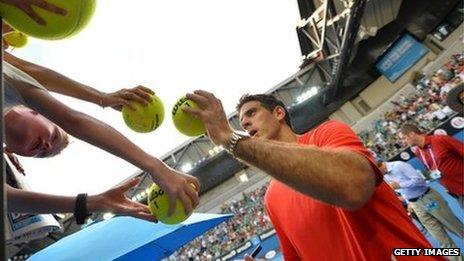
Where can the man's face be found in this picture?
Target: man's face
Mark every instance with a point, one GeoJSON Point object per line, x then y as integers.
{"type": "Point", "coordinates": [409, 138]}
{"type": "Point", "coordinates": [258, 121]}
{"type": "Point", "coordinates": [32, 135]}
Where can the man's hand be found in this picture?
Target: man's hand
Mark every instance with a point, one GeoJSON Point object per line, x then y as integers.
{"type": "Point", "coordinates": [26, 6]}
{"type": "Point", "coordinates": [122, 97]}
{"type": "Point", "coordinates": [212, 114]}
{"type": "Point", "coordinates": [394, 185]}
{"type": "Point", "coordinates": [116, 202]}
{"type": "Point", "coordinates": [178, 185]}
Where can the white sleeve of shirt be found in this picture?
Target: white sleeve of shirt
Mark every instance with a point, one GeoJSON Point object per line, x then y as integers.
{"type": "Point", "coordinates": [18, 75]}
{"type": "Point", "coordinates": [414, 179]}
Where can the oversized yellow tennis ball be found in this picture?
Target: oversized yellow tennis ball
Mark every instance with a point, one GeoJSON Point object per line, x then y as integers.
{"type": "Point", "coordinates": [158, 202]}
{"type": "Point", "coordinates": [15, 39]}
{"type": "Point", "coordinates": [79, 13]}
{"type": "Point", "coordinates": [186, 123]}
{"type": "Point", "coordinates": [144, 118]}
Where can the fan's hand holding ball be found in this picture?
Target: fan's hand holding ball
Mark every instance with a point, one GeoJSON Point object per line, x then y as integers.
{"type": "Point", "coordinates": [144, 118]}
{"type": "Point", "coordinates": [117, 99]}
{"type": "Point", "coordinates": [187, 124]}
{"type": "Point", "coordinates": [158, 202]}
{"type": "Point", "coordinates": [49, 20]}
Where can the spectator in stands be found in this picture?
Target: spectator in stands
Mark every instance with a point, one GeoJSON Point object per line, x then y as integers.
{"type": "Point", "coordinates": [426, 108]}
{"type": "Point", "coordinates": [442, 155]}
{"type": "Point", "coordinates": [33, 83]}
{"type": "Point", "coordinates": [325, 183]}
{"type": "Point", "coordinates": [430, 207]}
{"type": "Point", "coordinates": [249, 220]}
{"type": "Point", "coordinates": [455, 98]}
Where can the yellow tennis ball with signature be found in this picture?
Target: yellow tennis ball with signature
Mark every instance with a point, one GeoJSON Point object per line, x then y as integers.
{"type": "Point", "coordinates": [144, 118]}
{"type": "Point", "coordinates": [185, 123]}
{"type": "Point", "coordinates": [158, 202]}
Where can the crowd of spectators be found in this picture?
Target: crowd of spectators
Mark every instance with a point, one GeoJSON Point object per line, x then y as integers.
{"type": "Point", "coordinates": [425, 107]}
{"type": "Point", "coordinates": [250, 219]}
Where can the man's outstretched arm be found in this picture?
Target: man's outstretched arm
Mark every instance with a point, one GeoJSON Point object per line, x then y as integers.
{"type": "Point", "coordinates": [337, 176]}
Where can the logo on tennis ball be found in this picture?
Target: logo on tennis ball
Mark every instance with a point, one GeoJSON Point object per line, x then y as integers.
{"type": "Point", "coordinates": [158, 202]}
{"type": "Point", "coordinates": [144, 119]}
{"type": "Point", "coordinates": [185, 123]}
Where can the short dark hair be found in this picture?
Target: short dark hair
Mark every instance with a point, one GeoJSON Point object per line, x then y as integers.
{"type": "Point", "coordinates": [267, 101]}
{"type": "Point", "coordinates": [408, 128]}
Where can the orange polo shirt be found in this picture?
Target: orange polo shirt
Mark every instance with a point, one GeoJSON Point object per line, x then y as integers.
{"type": "Point", "coordinates": [309, 229]}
